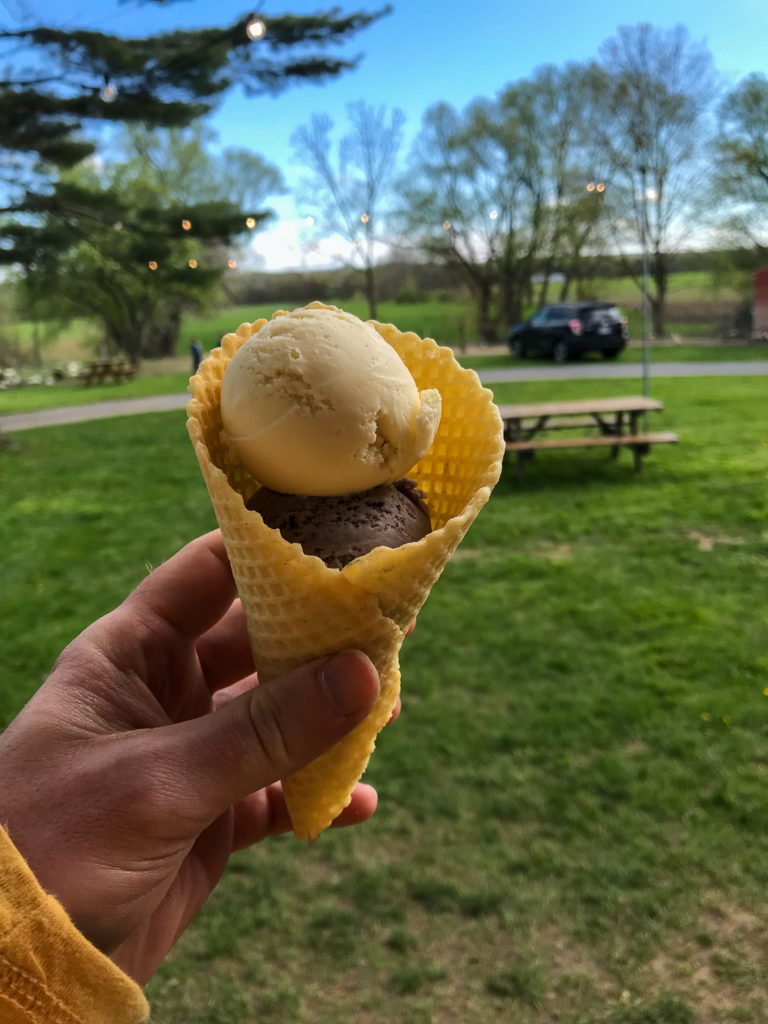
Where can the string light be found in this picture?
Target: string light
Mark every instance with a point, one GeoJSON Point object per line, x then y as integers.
{"type": "Point", "coordinates": [255, 27]}
{"type": "Point", "coordinates": [250, 222]}
{"type": "Point", "coordinates": [118, 225]}
{"type": "Point", "coordinates": [231, 264]}
{"type": "Point", "coordinates": [192, 264]}
{"type": "Point", "coordinates": [591, 187]}
{"type": "Point", "coordinates": [108, 91]}
{"type": "Point", "coordinates": [600, 187]}
{"type": "Point", "coordinates": [446, 225]}
{"type": "Point", "coordinates": [364, 218]}
{"type": "Point", "coordinates": [152, 265]}
{"type": "Point", "coordinates": [186, 224]}
{"type": "Point", "coordinates": [493, 214]}
{"type": "Point", "coordinates": [309, 220]}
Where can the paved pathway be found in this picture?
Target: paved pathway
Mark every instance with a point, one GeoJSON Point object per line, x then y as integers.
{"type": "Point", "coordinates": [625, 371]}
{"type": "Point", "coordinates": [94, 411]}
{"type": "Point", "coordinates": [571, 371]}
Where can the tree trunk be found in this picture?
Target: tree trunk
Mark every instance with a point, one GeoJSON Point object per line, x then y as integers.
{"type": "Point", "coordinates": [485, 325]}
{"type": "Point", "coordinates": [370, 289]}
{"type": "Point", "coordinates": [37, 353]}
{"type": "Point", "coordinates": [659, 274]}
{"type": "Point", "coordinates": [544, 289]}
{"type": "Point", "coordinates": [125, 341]}
{"type": "Point", "coordinates": [514, 310]}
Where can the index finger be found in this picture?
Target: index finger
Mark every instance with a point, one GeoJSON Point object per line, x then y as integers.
{"type": "Point", "coordinates": [192, 590]}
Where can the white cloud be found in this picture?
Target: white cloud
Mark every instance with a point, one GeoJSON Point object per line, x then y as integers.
{"type": "Point", "coordinates": [291, 243]}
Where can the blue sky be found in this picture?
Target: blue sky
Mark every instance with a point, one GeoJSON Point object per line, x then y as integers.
{"type": "Point", "coordinates": [425, 51]}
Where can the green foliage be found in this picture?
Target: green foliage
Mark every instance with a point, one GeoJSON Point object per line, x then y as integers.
{"type": "Point", "coordinates": [60, 232]}
{"type": "Point", "coordinates": [742, 158]}
{"type": "Point", "coordinates": [138, 244]}
{"type": "Point", "coordinates": [498, 190]}
{"type": "Point", "coordinates": [164, 80]}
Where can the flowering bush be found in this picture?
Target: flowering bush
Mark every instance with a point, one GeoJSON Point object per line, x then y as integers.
{"type": "Point", "coordinates": [10, 377]}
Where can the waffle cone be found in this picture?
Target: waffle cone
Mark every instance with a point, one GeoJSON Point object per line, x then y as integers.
{"type": "Point", "coordinates": [298, 609]}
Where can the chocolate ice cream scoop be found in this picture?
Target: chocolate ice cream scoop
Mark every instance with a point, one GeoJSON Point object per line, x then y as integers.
{"type": "Point", "coordinates": [338, 529]}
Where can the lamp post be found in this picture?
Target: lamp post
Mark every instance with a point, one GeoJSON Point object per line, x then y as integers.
{"type": "Point", "coordinates": [644, 244]}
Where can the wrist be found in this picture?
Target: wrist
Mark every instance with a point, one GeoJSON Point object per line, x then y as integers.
{"type": "Point", "coordinates": [48, 969]}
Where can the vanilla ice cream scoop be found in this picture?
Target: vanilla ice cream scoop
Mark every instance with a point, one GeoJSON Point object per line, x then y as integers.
{"type": "Point", "coordinates": [317, 402]}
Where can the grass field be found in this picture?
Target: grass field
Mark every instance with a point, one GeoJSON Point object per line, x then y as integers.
{"type": "Point", "coordinates": [447, 321]}
{"type": "Point", "coordinates": [574, 802]}
{"type": "Point", "coordinates": [685, 286]}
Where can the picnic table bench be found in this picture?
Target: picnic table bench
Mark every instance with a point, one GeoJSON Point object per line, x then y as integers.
{"type": "Point", "coordinates": [602, 423]}
{"type": "Point", "coordinates": [101, 370]}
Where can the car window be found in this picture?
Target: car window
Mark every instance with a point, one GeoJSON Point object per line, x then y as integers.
{"type": "Point", "coordinates": [606, 315]}
{"type": "Point", "coordinates": [555, 313]}
{"type": "Point", "coordinates": [539, 316]}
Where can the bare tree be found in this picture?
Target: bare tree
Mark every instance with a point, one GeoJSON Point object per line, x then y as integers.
{"type": "Point", "coordinates": [447, 201]}
{"type": "Point", "coordinates": [562, 171]}
{"type": "Point", "coordinates": [652, 106]}
{"type": "Point", "coordinates": [353, 187]}
{"type": "Point", "coordinates": [741, 181]}
{"type": "Point", "coordinates": [498, 190]}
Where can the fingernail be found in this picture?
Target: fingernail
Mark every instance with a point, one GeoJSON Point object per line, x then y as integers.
{"type": "Point", "coordinates": [346, 680]}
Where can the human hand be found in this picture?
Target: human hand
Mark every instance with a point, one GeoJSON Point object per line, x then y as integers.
{"type": "Point", "coordinates": [150, 754]}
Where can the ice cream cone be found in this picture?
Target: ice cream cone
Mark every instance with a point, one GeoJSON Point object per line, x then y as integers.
{"type": "Point", "coordinates": [298, 609]}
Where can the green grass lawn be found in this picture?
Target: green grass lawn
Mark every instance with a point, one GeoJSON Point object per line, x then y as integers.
{"type": "Point", "coordinates": [442, 320]}
{"type": "Point", "coordinates": [684, 286]}
{"type": "Point", "coordinates": [573, 804]}
{"type": "Point", "coordinates": [32, 397]}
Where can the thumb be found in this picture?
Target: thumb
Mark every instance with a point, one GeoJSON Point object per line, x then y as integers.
{"type": "Point", "coordinates": [266, 734]}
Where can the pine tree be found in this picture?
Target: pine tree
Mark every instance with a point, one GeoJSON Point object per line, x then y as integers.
{"type": "Point", "coordinates": [59, 85]}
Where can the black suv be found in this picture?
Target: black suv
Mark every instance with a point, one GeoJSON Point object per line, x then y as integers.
{"type": "Point", "coordinates": [568, 329]}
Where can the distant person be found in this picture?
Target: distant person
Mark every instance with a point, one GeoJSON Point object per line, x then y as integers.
{"type": "Point", "coordinates": [197, 354]}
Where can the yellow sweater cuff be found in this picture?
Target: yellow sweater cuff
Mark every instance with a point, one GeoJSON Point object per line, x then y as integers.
{"type": "Point", "coordinates": [49, 972]}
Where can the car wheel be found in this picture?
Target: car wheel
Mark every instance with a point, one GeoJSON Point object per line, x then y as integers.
{"type": "Point", "coordinates": [518, 348]}
{"type": "Point", "coordinates": [560, 351]}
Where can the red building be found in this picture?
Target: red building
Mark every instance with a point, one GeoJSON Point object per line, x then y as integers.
{"type": "Point", "coordinates": [760, 304]}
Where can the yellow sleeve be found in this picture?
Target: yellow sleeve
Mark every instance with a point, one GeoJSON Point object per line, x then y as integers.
{"type": "Point", "coordinates": [49, 972]}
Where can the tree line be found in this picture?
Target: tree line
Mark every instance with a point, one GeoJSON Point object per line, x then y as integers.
{"type": "Point", "coordinates": [640, 150]}
{"type": "Point", "coordinates": [518, 195]}
{"type": "Point", "coordinates": [135, 231]}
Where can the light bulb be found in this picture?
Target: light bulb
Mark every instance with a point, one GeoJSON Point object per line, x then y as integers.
{"type": "Point", "coordinates": [255, 27]}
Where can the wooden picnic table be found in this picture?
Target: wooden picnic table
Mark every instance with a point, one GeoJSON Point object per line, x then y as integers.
{"type": "Point", "coordinates": [600, 422]}
{"type": "Point", "coordinates": [101, 370]}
